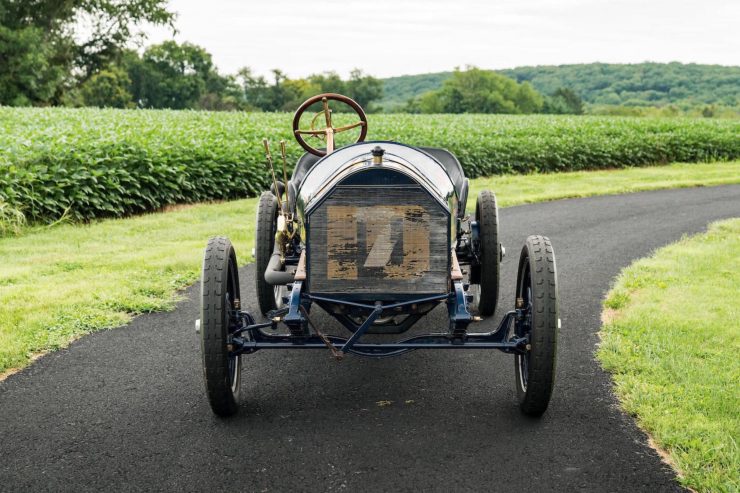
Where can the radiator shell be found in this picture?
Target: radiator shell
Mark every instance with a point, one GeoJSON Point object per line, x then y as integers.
{"type": "Point", "coordinates": [378, 242]}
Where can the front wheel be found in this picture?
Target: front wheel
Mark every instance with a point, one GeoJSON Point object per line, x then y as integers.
{"type": "Point", "coordinates": [268, 297]}
{"type": "Point", "coordinates": [485, 295]}
{"type": "Point", "coordinates": [537, 298]}
{"type": "Point", "coordinates": [219, 300]}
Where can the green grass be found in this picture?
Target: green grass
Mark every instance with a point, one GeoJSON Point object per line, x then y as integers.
{"type": "Point", "coordinates": [522, 189]}
{"type": "Point", "coordinates": [671, 340]}
{"type": "Point", "coordinates": [57, 283]}
{"type": "Point", "coordinates": [62, 282]}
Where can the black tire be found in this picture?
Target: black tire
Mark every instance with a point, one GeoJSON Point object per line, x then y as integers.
{"type": "Point", "coordinates": [486, 215]}
{"type": "Point", "coordinates": [537, 286]}
{"type": "Point", "coordinates": [268, 296]}
{"type": "Point", "coordinates": [219, 290]}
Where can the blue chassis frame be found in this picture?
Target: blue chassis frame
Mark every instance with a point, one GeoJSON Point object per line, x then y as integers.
{"type": "Point", "coordinates": [246, 336]}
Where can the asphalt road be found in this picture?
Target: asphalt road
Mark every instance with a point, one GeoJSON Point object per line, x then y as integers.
{"type": "Point", "coordinates": [126, 410]}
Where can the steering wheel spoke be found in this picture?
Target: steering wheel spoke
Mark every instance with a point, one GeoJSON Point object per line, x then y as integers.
{"type": "Point", "coordinates": [349, 127]}
{"type": "Point", "coordinates": [327, 111]}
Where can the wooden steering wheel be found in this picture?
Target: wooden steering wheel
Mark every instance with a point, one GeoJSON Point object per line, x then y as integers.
{"type": "Point", "coordinates": [327, 133]}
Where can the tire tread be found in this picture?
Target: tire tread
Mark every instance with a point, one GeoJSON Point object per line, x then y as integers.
{"type": "Point", "coordinates": [265, 242]}
{"type": "Point", "coordinates": [487, 215]}
{"type": "Point", "coordinates": [543, 356]}
{"type": "Point", "coordinates": [219, 253]}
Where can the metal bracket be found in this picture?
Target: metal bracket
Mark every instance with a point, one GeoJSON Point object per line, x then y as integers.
{"type": "Point", "coordinates": [457, 306]}
{"type": "Point", "coordinates": [294, 319]}
{"type": "Point", "coordinates": [363, 328]}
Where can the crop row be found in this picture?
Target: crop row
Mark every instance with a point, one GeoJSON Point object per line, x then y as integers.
{"type": "Point", "coordinates": [91, 163]}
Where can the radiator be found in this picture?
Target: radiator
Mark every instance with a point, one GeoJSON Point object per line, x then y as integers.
{"type": "Point", "coordinates": [379, 240]}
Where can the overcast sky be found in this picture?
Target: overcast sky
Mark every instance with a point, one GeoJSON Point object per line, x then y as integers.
{"type": "Point", "coordinates": [396, 37]}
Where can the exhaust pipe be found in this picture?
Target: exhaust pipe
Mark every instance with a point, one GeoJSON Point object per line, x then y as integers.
{"type": "Point", "coordinates": [274, 275]}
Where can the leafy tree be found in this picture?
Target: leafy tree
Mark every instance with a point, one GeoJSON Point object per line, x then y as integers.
{"type": "Point", "coordinates": [278, 93]}
{"type": "Point", "coordinates": [222, 94]}
{"type": "Point", "coordinates": [28, 73]}
{"type": "Point", "coordinates": [480, 91]}
{"type": "Point", "coordinates": [49, 46]}
{"type": "Point", "coordinates": [176, 76]}
{"type": "Point", "coordinates": [364, 88]}
{"type": "Point", "coordinates": [113, 23]}
{"type": "Point", "coordinates": [428, 102]}
{"type": "Point", "coordinates": [297, 91]}
{"type": "Point", "coordinates": [285, 94]}
{"type": "Point", "coordinates": [259, 94]}
{"type": "Point", "coordinates": [564, 101]}
{"type": "Point", "coordinates": [328, 82]}
{"type": "Point", "coordinates": [108, 88]}
{"type": "Point", "coordinates": [256, 90]}
{"type": "Point", "coordinates": [527, 99]}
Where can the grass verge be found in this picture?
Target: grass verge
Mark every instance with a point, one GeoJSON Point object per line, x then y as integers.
{"type": "Point", "coordinates": [671, 340]}
{"type": "Point", "coordinates": [518, 189]}
{"type": "Point", "coordinates": [62, 282]}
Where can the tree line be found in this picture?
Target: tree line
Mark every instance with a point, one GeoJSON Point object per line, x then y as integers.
{"type": "Point", "coordinates": [79, 53]}
{"type": "Point", "coordinates": [483, 91]}
{"type": "Point", "coordinates": [639, 84]}
{"type": "Point", "coordinates": [641, 89]}
{"type": "Point", "coordinates": [183, 76]}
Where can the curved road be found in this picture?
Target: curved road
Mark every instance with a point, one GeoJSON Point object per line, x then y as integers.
{"type": "Point", "coordinates": [125, 409]}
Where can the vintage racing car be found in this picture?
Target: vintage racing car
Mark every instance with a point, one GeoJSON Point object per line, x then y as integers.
{"type": "Point", "coordinates": [376, 234]}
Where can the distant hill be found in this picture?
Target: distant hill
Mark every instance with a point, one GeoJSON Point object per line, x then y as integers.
{"type": "Point", "coordinates": [398, 90]}
{"type": "Point", "coordinates": [641, 84]}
